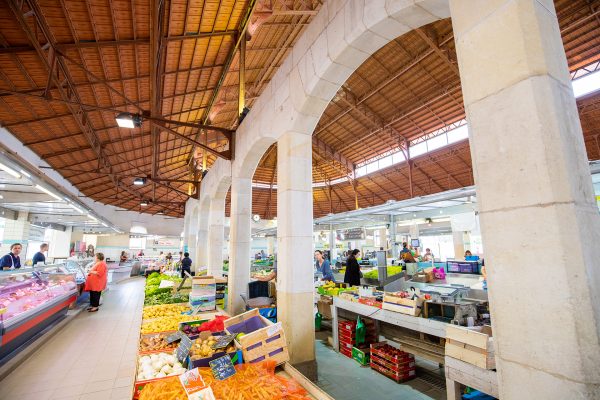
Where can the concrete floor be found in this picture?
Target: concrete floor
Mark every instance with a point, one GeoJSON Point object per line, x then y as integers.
{"type": "Point", "coordinates": [344, 379]}
{"type": "Point", "coordinates": [92, 358]}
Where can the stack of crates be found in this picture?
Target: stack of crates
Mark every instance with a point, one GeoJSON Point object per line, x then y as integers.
{"type": "Point", "coordinates": [220, 295]}
{"type": "Point", "coordinates": [397, 365]}
{"type": "Point", "coordinates": [347, 335]}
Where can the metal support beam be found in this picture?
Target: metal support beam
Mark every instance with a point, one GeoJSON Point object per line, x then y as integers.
{"type": "Point", "coordinates": [242, 72]}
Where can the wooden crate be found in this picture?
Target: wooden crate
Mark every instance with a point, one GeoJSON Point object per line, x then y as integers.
{"type": "Point", "coordinates": [471, 345]}
{"type": "Point", "coordinates": [402, 305]}
{"type": "Point", "coordinates": [265, 343]}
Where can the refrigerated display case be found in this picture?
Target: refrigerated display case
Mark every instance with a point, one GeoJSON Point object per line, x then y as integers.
{"type": "Point", "coordinates": [30, 301]}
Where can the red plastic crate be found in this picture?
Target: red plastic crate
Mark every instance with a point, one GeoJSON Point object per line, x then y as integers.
{"type": "Point", "coordinates": [376, 349]}
{"type": "Point", "coordinates": [346, 345]}
{"type": "Point", "coordinates": [345, 336]}
{"type": "Point", "coordinates": [398, 377]}
{"type": "Point", "coordinates": [346, 352]}
{"type": "Point", "coordinates": [348, 325]}
{"type": "Point", "coordinates": [396, 367]}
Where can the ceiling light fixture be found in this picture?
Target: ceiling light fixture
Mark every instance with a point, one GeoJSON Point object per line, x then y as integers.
{"type": "Point", "coordinates": [128, 120]}
{"type": "Point", "coordinates": [139, 181]}
{"type": "Point", "coordinates": [25, 173]}
{"type": "Point", "coordinates": [104, 225]}
{"type": "Point", "coordinates": [10, 171]}
{"type": "Point", "coordinates": [143, 203]}
{"type": "Point", "coordinates": [74, 207]}
{"type": "Point", "coordinates": [43, 189]}
{"type": "Point", "coordinates": [92, 218]}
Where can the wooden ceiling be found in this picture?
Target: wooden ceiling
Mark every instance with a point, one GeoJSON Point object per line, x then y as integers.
{"type": "Point", "coordinates": [179, 62]}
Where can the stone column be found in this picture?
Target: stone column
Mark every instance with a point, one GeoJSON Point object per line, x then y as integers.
{"type": "Point", "coordinates": [239, 242]}
{"type": "Point", "coordinates": [332, 248]}
{"type": "Point", "coordinates": [393, 242]}
{"type": "Point", "coordinates": [216, 236]}
{"type": "Point", "coordinates": [201, 239]}
{"type": "Point", "coordinates": [459, 244]}
{"type": "Point", "coordinates": [295, 244]}
{"type": "Point", "coordinates": [539, 221]}
{"type": "Point", "coordinates": [270, 245]}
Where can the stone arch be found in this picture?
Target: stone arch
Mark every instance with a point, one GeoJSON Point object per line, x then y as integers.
{"type": "Point", "coordinates": [339, 39]}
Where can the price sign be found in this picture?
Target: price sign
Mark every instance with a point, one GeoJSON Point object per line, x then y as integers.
{"type": "Point", "coordinates": [192, 381]}
{"type": "Point", "coordinates": [184, 348]}
{"type": "Point", "coordinates": [223, 341]}
{"type": "Point", "coordinates": [174, 337]}
{"type": "Point", "coordinates": [222, 368]}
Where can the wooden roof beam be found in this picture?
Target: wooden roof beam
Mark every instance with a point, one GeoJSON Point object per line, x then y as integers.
{"type": "Point", "coordinates": [330, 153]}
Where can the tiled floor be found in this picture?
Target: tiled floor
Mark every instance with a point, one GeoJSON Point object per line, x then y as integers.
{"type": "Point", "coordinates": [92, 358]}
{"type": "Point", "coordinates": [343, 378]}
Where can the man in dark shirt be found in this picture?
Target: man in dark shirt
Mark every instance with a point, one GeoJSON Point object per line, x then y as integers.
{"type": "Point", "coordinates": [186, 264]}
{"type": "Point", "coordinates": [12, 259]}
{"type": "Point", "coordinates": [39, 257]}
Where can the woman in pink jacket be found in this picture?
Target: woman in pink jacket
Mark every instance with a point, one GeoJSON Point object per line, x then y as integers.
{"type": "Point", "coordinates": [96, 282]}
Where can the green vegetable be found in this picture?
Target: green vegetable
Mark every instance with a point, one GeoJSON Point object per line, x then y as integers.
{"type": "Point", "coordinates": [392, 270]}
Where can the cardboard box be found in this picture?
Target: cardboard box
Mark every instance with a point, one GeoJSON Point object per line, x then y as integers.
{"type": "Point", "coordinates": [402, 305]}
{"type": "Point", "coordinates": [471, 345]}
{"type": "Point", "coordinates": [324, 306]}
{"type": "Point", "coordinates": [263, 340]}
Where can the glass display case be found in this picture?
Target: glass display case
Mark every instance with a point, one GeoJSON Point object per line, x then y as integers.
{"type": "Point", "coordinates": [21, 291]}
{"type": "Point", "coordinates": [30, 300]}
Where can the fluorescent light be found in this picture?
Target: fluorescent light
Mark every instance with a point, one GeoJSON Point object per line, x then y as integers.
{"type": "Point", "coordinates": [1, 197]}
{"type": "Point", "coordinates": [144, 203]}
{"type": "Point", "coordinates": [92, 218]}
{"type": "Point", "coordinates": [128, 120]}
{"type": "Point", "coordinates": [10, 171]}
{"type": "Point", "coordinates": [139, 181]}
{"type": "Point", "coordinates": [43, 189]}
{"type": "Point", "coordinates": [25, 173]}
{"type": "Point", "coordinates": [103, 224]}
{"type": "Point", "coordinates": [79, 210]}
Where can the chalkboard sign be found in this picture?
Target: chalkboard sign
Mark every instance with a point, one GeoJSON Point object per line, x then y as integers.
{"type": "Point", "coordinates": [184, 348]}
{"type": "Point", "coordinates": [222, 368]}
{"type": "Point", "coordinates": [223, 341]}
{"type": "Point", "coordinates": [174, 337]}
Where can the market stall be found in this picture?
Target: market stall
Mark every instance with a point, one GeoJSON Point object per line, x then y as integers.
{"type": "Point", "coordinates": [184, 341]}
{"type": "Point", "coordinates": [30, 301]}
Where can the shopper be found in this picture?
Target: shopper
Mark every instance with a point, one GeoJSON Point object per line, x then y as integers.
{"type": "Point", "coordinates": [123, 257]}
{"type": "Point", "coordinates": [468, 254]}
{"type": "Point", "coordinates": [428, 256]}
{"type": "Point", "coordinates": [96, 282]}
{"type": "Point", "coordinates": [39, 257]}
{"type": "Point", "coordinates": [353, 275]}
{"type": "Point", "coordinates": [186, 265]}
{"type": "Point", "coordinates": [12, 259]}
{"type": "Point", "coordinates": [405, 249]}
{"type": "Point", "coordinates": [323, 266]}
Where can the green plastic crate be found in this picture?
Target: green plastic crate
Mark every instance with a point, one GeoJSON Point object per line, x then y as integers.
{"type": "Point", "coordinates": [361, 356]}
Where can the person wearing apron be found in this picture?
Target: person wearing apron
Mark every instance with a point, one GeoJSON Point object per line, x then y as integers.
{"type": "Point", "coordinates": [12, 259]}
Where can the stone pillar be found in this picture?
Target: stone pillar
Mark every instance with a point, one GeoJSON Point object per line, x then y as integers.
{"type": "Point", "coordinates": [332, 248]}
{"type": "Point", "coordinates": [216, 236]}
{"type": "Point", "coordinates": [539, 220]}
{"type": "Point", "coordinates": [270, 245]}
{"type": "Point", "coordinates": [459, 244]}
{"type": "Point", "coordinates": [239, 242]}
{"type": "Point", "coordinates": [393, 242]}
{"type": "Point", "coordinates": [295, 285]}
{"type": "Point", "coordinates": [201, 240]}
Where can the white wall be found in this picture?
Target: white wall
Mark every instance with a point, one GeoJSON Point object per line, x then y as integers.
{"type": "Point", "coordinates": [59, 243]}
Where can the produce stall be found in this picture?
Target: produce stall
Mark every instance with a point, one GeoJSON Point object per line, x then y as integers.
{"type": "Point", "coordinates": [30, 301]}
{"type": "Point", "coordinates": [178, 346]}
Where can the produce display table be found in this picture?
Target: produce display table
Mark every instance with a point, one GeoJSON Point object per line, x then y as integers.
{"type": "Point", "coordinates": [416, 324]}
{"type": "Point", "coordinates": [459, 372]}
{"type": "Point", "coordinates": [313, 390]}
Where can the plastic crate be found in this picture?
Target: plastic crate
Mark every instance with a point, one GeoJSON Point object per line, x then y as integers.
{"type": "Point", "coordinates": [399, 367]}
{"type": "Point", "coordinates": [361, 355]}
{"type": "Point", "coordinates": [396, 376]}
{"type": "Point", "coordinates": [346, 352]}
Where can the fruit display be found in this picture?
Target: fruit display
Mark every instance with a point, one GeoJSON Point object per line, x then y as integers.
{"type": "Point", "coordinates": [164, 310]}
{"type": "Point", "coordinates": [202, 348]}
{"type": "Point", "coordinates": [158, 365]}
{"type": "Point", "coordinates": [165, 323]}
{"type": "Point", "coordinates": [156, 342]}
